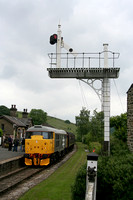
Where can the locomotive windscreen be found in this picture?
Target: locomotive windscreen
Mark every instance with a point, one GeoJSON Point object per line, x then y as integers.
{"type": "Point", "coordinates": [46, 135]}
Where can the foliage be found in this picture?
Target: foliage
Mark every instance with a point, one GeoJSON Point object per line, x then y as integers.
{"type": "Point", "coordinates": [1, 132]}
{"type": "Point", "coordinates": [90, 129]}
{"type": "Point", "coordinates": [60, 124]}
{"type": "Point", "coordinates": [79, 186]}
{"type": "Point", "coordinates": [4, 110]}
{"type": "Point", "coordinates": [83, 123]}
{"type": "Point", "coordinates": [97, 146]}
{"type": "Point", "coordinates": [97, 126]}
{"type": "Point", "coordinates": [38, 116]}
{"type": "Point", "coordinates": [120, 125]}
{"type": "Point", "coordinates": [67, 122]}
{"type": "Point", "coordinates": [115, 177]}
{"type": "Point", "coordinates": [118, 147]}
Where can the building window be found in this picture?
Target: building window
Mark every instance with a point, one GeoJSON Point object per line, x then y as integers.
{"type": "Point", "coordinates": [2, 127]}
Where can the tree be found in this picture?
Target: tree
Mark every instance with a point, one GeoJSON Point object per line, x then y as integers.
{"type": "Point", "coordinates": [115, 177]}
{"type": "Point", "coordinates": [67, 122]}
{"type": "Point", "coordinates": [97, 126]}
{"type": "Point", "coordinates": [38, 116]}
{"type": "Point", "coordinates": [4, 110]}
{"type": "Point", "coordinates": [83, 123]}
{"type": "Point", "coordinates": [120, 126]}
{"type": "Point", "coordinates": [90, 129]}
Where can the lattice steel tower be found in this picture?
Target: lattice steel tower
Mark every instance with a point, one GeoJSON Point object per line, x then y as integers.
{"type": "Point", "coordinates": [87, 67]}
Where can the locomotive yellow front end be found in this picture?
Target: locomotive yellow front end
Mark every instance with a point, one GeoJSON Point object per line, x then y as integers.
{"type": "Point", "coordinates": [38, 147]}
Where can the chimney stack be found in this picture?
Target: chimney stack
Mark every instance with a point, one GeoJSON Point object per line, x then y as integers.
{"type": "Point", "coordinates": [25, 113]}
{"type": "Point", "coordinates": [13, 111]}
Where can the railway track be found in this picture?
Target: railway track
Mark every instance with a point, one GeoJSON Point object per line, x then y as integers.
{"type": "Point", "coordinates": [10, 180]}
{"type": "Point", "coordinates": [15, 184]}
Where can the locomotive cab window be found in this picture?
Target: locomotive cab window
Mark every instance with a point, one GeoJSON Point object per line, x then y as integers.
{"type": "Point", "coordinates": [46, 135]}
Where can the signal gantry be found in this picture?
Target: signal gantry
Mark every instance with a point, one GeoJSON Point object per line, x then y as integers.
{"type": "Point", "coordinates": [87, 67]}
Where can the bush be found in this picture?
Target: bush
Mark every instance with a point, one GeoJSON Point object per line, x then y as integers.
{"type": "Point", "coordinates": [1, 132]}
{"type": "Point", "coordinates": [79, 187]}
{"type": "Point", "coordinates": [115, 177]}
{"type": "Point", "coordinates": [97, 147]}
{"type": "Point", "coordinates": [118, 147]}
{"type": "Point", "coordinates": [67, 122]}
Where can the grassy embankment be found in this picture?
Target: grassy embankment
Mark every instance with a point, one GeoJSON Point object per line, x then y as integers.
{"type": "Point", "coordinates": [61, 124]}
{"type": "Point", "coordinates": [58, 185]}
{"type": "Point", "coordinates": [57, 123]}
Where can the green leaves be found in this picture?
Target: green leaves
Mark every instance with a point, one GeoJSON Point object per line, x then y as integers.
{"type": "Point", "coordinates": [1, 132]}
{"type": "Point", "coordinates": [38, 116]}
{"type": "Point", "coordinates": [115, 177]}
{"type": "Point", "coordinates": [120, 126]}
{"type": "Point", "coordinates": [4, 110]}
{"type": "Point", "coordinates": [90, 128]}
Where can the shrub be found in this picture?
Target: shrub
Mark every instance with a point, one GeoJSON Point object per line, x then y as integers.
{"type": "Point", "coordinates": [79, 187]}
{"type": "Point", "coordinates": [1, 132]}
{"type": "Point", "coordinates": [95, 145]}
{"type": "Point", "coordinates": [115, 177]}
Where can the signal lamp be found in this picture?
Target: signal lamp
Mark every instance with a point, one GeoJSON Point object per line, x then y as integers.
{"type": "Point", "coordinates": [53, 39]}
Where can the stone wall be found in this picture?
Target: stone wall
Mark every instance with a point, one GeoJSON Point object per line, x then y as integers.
{"type": "Point", "coordinates": [130, 118]}
{"type": "Point", "coordinates": [8, 127]}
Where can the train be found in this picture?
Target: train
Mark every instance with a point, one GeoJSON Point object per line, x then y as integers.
{"type": "Point", "coordinates": [45, 145]}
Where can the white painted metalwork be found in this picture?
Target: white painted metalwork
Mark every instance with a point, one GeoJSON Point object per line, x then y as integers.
{"type": "Point", "coordinates": [98, 91]}
{"type": "Point", "coordinates": [106, 102]}
{"type": "Point", "coordinates": [88, 67]}
{"type": "Point", "coordinates": [61, 44]}
{"type": "Point", "coordinates": [58, 47]}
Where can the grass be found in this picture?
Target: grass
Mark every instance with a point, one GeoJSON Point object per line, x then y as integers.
{"type": "Point", "coordinates": [58, 185]}
{"type": "Point", "coordinates": [57, 123]}
{"type": "Point", "coordinates": [61, 124]}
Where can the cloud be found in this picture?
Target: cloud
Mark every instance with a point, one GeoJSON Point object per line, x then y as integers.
{"type": "Point", "coordinates": [25, 30]}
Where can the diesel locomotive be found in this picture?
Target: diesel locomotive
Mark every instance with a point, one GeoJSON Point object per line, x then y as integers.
{"type": "Point", "coordinates": [44, 144]}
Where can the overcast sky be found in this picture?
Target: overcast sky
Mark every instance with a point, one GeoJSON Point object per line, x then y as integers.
{"type": "Point", "coordinates": [25, 28]}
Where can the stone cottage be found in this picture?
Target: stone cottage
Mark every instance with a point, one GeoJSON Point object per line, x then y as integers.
{"type": "Point", "coordinates": [14, 126]}
{"type": "Point", "coordinates": [130, 118]}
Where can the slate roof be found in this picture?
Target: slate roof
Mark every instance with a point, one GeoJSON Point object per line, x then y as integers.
{"type": "Point", "coordinates": [14, 120]}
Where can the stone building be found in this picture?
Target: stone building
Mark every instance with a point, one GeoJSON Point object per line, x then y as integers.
{"type": "Point", "coordinates": [14, 126]}
{"type": "Point", "coordinates": [130, 118]}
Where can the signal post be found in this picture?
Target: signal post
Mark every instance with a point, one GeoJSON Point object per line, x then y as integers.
{"type": "Point", "coordinates": [87, 67]}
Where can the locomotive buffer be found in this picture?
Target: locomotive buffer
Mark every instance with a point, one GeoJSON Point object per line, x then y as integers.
{"type": "Point", "coordinates": [87, 67]}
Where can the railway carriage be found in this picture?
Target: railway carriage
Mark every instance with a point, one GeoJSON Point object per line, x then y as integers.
{"type": "Point", "coordinates": [45, 144]}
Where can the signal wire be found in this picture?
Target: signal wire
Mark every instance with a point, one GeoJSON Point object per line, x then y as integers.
{"type": "Point", "coordinates": [83, 95]}
{"type": "Point", "coordinates": [119, 96]}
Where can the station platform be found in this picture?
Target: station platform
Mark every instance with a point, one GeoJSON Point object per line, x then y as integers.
{"type": "Point", "coordinates": [10, 160]}
{"type": "Point", "coordinates": [5, 154]}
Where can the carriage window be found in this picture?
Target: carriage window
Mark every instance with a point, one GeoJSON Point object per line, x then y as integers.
{"type": "Point", "coordinates": [57, 136]}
